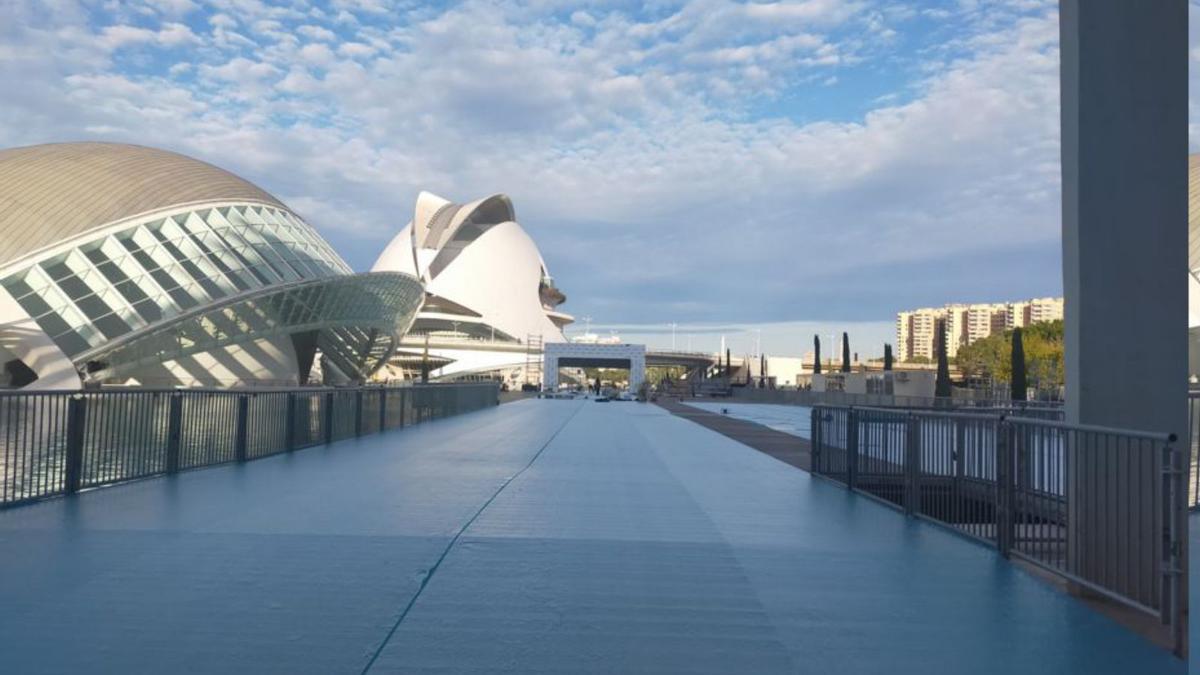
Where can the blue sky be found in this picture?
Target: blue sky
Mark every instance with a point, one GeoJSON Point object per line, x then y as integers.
{"type": "Point", "coordinates": [796, 167]}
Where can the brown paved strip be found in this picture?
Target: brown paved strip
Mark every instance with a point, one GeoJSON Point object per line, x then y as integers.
{"type": "Point", "coordinates": [783, 447]}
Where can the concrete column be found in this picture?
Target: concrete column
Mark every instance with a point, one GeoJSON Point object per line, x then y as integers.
{"type": "Point", "coordinates": [549, 372]}
{"type": "Point", "coordinates": [1124, 174]}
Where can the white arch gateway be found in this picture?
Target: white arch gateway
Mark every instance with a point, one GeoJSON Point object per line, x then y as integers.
{"type": "Point", "coordinates": [591, 355]}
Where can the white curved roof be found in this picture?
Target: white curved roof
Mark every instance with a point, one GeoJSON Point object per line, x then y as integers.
{"type": "Point", "coordinates": [476, 256]}
{"type": "Point", "coordinates": [50, 193]}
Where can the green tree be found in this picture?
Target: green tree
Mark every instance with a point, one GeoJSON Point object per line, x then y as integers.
{"type": "Point", "coordinates": [887, 356]}
{"type": "Point", "coordinates": [942, 383]}
{"type": "Point", "coordinates": [845, 353]}
{"type": "Point", "coordinates": [1019, 387]}
{"type": "Point", "coordinates": [991, 357]}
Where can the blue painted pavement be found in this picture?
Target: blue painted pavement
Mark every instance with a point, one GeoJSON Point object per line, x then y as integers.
{"type": "Point", "coordinates": [789, 419]}
{"type": "Point", "coordinates": [542, 536]}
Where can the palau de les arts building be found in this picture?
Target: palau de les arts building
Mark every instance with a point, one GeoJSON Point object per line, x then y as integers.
{"type": "Point", "coordinates": [128, 265]}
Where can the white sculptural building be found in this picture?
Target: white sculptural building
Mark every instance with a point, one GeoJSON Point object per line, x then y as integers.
{"type": "Point", "coordinates": [122, 264]}
{"type": "Point", "coordinates": [490, 302]}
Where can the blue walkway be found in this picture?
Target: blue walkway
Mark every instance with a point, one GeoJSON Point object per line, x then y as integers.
{"type": "Point", "coordinates": [537, 537]}
{"type": "Point", "coordinates": [789, 419]}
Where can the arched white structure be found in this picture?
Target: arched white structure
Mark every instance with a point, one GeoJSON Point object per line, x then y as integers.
{"type": "Point", "coordinates": [489, 298]}
{"type": "Point", "coordinates": [593, 355]}
{"type": "Point", "coordinates": [122, 264]}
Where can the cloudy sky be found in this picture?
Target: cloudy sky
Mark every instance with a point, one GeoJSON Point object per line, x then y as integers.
{"type": "Point", "coordinates": [799, 167]}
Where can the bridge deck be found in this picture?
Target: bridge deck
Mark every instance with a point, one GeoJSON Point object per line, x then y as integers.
{"type": "Point", "coordinates": [541, 536]}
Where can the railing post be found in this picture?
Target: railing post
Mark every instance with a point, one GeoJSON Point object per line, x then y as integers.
{"type": "Point", "coordinates": [912, 465]}
{"type": "Point", "coordinates": [290, 443]}
{"type": "Point", "coordinates": [960, 453]}
{"type": "Point", "coordinates": [174, 430]}
{"type": "Point", "coordinates": [814, 430]}
{"type": "Point", "coordinates": [851, 448]}
{"type": "Point", "coordinates": [243, 415]}
{"type": "Point", "coordinates": [1004, 489]}
{"type": "Point", "coordinates": [358, 412]}
{"type": "Point", "coordinates": [403, 404]}
{"type": "Point", "coordinates": [76, 421]}
{"type": "Point", "coordinates": [1174, 507]}
{"type": "Point", "coordinates": [327, 417]}
{"type": "Point", "coordinates": [383, 392]}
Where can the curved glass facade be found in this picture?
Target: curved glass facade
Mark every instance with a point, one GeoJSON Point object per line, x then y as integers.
{"type": "Point", "coordinates": [166, 266]}
{"type": "Point", "coordinates": [355, 320]}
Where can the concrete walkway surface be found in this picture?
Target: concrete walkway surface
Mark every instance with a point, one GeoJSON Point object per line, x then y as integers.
{"type": "Point", "coordinates": [542, 536]}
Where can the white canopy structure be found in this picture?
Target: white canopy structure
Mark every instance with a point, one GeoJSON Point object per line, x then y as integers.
{"type": "Point", "coordinates": [490, 302]}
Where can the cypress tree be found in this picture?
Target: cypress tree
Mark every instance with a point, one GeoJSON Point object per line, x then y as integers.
{"type": "Point", "coordinates": [816, 355]}
{"type": "Point", "coordinates": [887, 356]}
{"type": "Point", "coordinates": [1019, 385]}
{"type": "Point", "coordinates": [728, 364]}
{"type": "Point", "coordinates": [941, 387]}
{"type": "Point", "coordinates": [845, 353]}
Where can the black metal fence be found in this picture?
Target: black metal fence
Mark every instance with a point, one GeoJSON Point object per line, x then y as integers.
{"type": "Point", "coordinates": [1052, 410]}
{"type": "Point", "coordinates": [54, 443]}
{"type": "Point", "coordinates": [1102, 508]}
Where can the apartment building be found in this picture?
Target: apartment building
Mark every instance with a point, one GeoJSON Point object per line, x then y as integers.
{"type": "Point", "coordinates": [966, 323]}
{"type": "Point", "coordinates": [1026, 312]}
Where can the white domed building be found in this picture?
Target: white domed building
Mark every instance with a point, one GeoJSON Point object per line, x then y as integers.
{"type": "Point", "coordinates": [129, 265]}
{"type": "Point", "coordinates": [490, 302]}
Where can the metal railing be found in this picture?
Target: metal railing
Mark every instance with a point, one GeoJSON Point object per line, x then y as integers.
{"type": "Point", "coordinates": [1101, 508]}
{"type": "Point", "coordinates": [55, 443]}
{"type": "Point", "coordinates": [1050, 410]}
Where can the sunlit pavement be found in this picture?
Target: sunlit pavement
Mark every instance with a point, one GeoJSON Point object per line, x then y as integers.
{"type": "Point", "coordinates": [540, 536]}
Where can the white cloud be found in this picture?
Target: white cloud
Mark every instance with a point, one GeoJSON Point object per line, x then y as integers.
{"type": "Point", "coordinates": [172, 8]}
{"type": "Point", "coordinates": [621, 138]}
{"type": "Point", "coordinates": [317, 33]}
{"type": "Point", "coordinates": [169, 35]}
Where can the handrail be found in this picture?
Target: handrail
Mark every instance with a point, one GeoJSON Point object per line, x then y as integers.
{"type": "Point", "coordinates": [60, 442]}
{"type": "Point", "coordinates": [1097, 506]}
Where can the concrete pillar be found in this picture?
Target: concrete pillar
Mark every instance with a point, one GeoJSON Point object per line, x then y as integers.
{"type": "Point", "coordinates": [1124, 171]}
{"type": "Point", "coordinates": [549, 372]}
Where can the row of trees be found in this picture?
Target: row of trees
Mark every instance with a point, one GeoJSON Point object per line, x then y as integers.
{"type": "Point", "coordinates": [887, 354]}
{"type": "Point", "coordinates": [1003, 357]}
